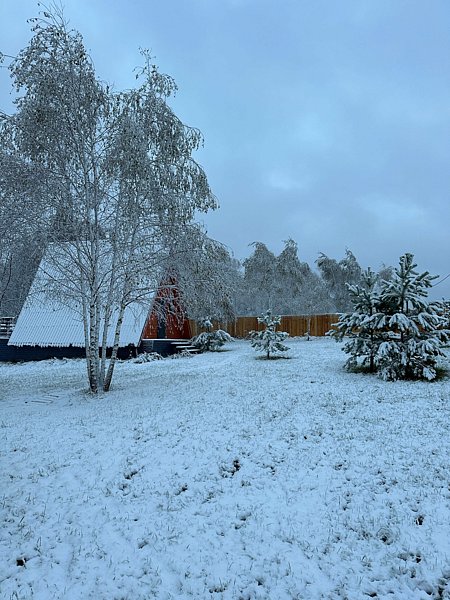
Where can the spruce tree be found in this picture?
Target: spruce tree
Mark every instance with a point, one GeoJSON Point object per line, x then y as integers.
{"type": "Point", "coordinates": [269, 340]}
{"type": "Point", "coordinates": [364, 327]}
{"type": "Point", "coordinates": [392, 329]}
{"type": "Point", "coordinates": [416, 327]}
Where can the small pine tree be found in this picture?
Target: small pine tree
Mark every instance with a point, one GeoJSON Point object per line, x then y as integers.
{"type": "Point", "coordinates": [269, 340]}
{"type": "Point", "coordinates": [364, 327]}
{"type": "Point", "coordinates": [393, 329]}
{"type": "Point", "coordinates": [209, 340]}
{"type": "Point", "coordinates": [416, 328]}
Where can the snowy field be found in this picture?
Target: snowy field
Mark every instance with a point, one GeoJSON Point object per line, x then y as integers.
{"type": "Point", "coordinates": [224, 476]}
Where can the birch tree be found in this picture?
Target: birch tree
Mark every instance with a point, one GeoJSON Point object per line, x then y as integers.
{"type": "Point", "coordinates": [259, 279]}
{"type": "Point", "coordinates": [337, 275]}
{"type": "Point", "coordinates": [120, 171]}
{"type": "Point", "coordinates": [299, 291]}
{"type": "Point", "coordinates": [207, 275]}
{"type": "Point", "coordinates": [283, 282]}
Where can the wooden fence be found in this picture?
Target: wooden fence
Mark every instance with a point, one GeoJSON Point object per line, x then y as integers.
{"type": "Point", "coordinates": [318, 325]}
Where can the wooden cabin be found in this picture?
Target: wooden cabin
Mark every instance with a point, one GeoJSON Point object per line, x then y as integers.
{"type": "Point", "coordinates": [47, 328]}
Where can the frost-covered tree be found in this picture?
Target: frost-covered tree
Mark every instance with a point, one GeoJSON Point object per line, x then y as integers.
{"type": "Point", "coordinates": [315, 298]}
{"type": "Point", "coordinates": [364, 327]}
{"type": "Point", "coordinates": [299, 291]}
{"type": "Point", "coordinates": [284, 282]}
{"type": "Point", "coordinates": [415, 326]}
{"type": "Point", "coordinates": [269, 340]}
{"type": "Point", "coordinates": [444, 306]}
{"type": "Point", "coordinates": [259, 279]}
{"type": "Point", "coordinates": [393, 329]}
{"type": "Point", "coordinates": [337, 275]}
{"type": "Point", "coordinates": [290, 274]}
{"type": "Point", "coordinates": [210, 340]}
{"type": "Point", "coordinates": [207, 275]}
{"type": "Point", "coordinates": [118, 169]}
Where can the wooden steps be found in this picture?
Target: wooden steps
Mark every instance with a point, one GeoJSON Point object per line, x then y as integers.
{"type": "Point", "coordinates": [165, 346]}
{"type": "Point", "coordinates": [184, 346]}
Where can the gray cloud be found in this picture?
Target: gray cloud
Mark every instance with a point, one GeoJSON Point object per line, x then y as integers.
{"type": "Point", "coordinates": [327, 122]}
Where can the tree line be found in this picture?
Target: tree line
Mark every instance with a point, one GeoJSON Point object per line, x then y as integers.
{"type": "Point", "coordinates": [288, 286]}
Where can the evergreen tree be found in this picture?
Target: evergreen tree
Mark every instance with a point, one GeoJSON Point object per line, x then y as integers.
{"type": "Point", "coordinates": [416, 327]}
{"type": "Point", "coordinates": [210, 340]}
{"type": "Point", "coordinates": [364, 327]}
{"type": "Point", "coordinates": [445, 311]}
{"type": "Point", "coordinates": [269, 340]}
{"type": "Point", "coordinates": [393, 329]}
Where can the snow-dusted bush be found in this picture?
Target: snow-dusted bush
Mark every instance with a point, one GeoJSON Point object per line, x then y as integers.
{"type": "Point", "coordinates": [393, 329]}
{"type": "Point", "coordinates": [146, 357]}
{"type": "Point", "coordinates": [210, 340]}
{"type": "Point", "coordinates": [181, 354]}
{"type": "Point", "coordinates": [269, 340]}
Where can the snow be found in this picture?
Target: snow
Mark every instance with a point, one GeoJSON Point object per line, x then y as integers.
{"type": "Point", "coordinates": [224, 476]}
{"type": "Point", "coordinates": [46, 320]}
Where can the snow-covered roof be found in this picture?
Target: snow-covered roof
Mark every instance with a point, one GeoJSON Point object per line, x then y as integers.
{"type": "Point", "coordinates": [57, 325]}
{"type": "Point", "coordinates": [45, 320]}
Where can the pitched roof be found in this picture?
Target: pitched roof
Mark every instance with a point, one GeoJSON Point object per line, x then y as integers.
{"type": "Point", "coordinates": [60, 326]}
{"type": "Point", "coordinates": [46, 320]}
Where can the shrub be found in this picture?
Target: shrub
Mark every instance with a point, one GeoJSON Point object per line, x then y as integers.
{"type": "Point", "coordinates": [209, 340]}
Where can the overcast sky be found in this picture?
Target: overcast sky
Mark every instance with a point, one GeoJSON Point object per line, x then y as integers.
{"type": "Point", "coordinates": [326, 121]}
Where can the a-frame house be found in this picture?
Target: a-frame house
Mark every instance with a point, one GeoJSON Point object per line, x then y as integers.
{"type": "Point", "coordinates": [48, 328]}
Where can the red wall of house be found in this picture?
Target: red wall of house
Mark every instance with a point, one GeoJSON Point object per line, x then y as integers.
{"type": "Point", "coordinates": [177, 325]}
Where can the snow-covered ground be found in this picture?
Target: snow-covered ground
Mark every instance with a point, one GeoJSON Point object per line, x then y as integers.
{"type": "Point", "coordinates": [224, 476]}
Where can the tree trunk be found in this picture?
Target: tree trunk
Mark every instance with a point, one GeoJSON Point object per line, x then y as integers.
{"type": "Point", "coordinates": [112, 361]}
{"type": "Point", "coordinates": [372, 356]}
{"type": "Point", "coordinates": [93, 361]}
{"type": "Point", "coordinates": [107, 318]}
